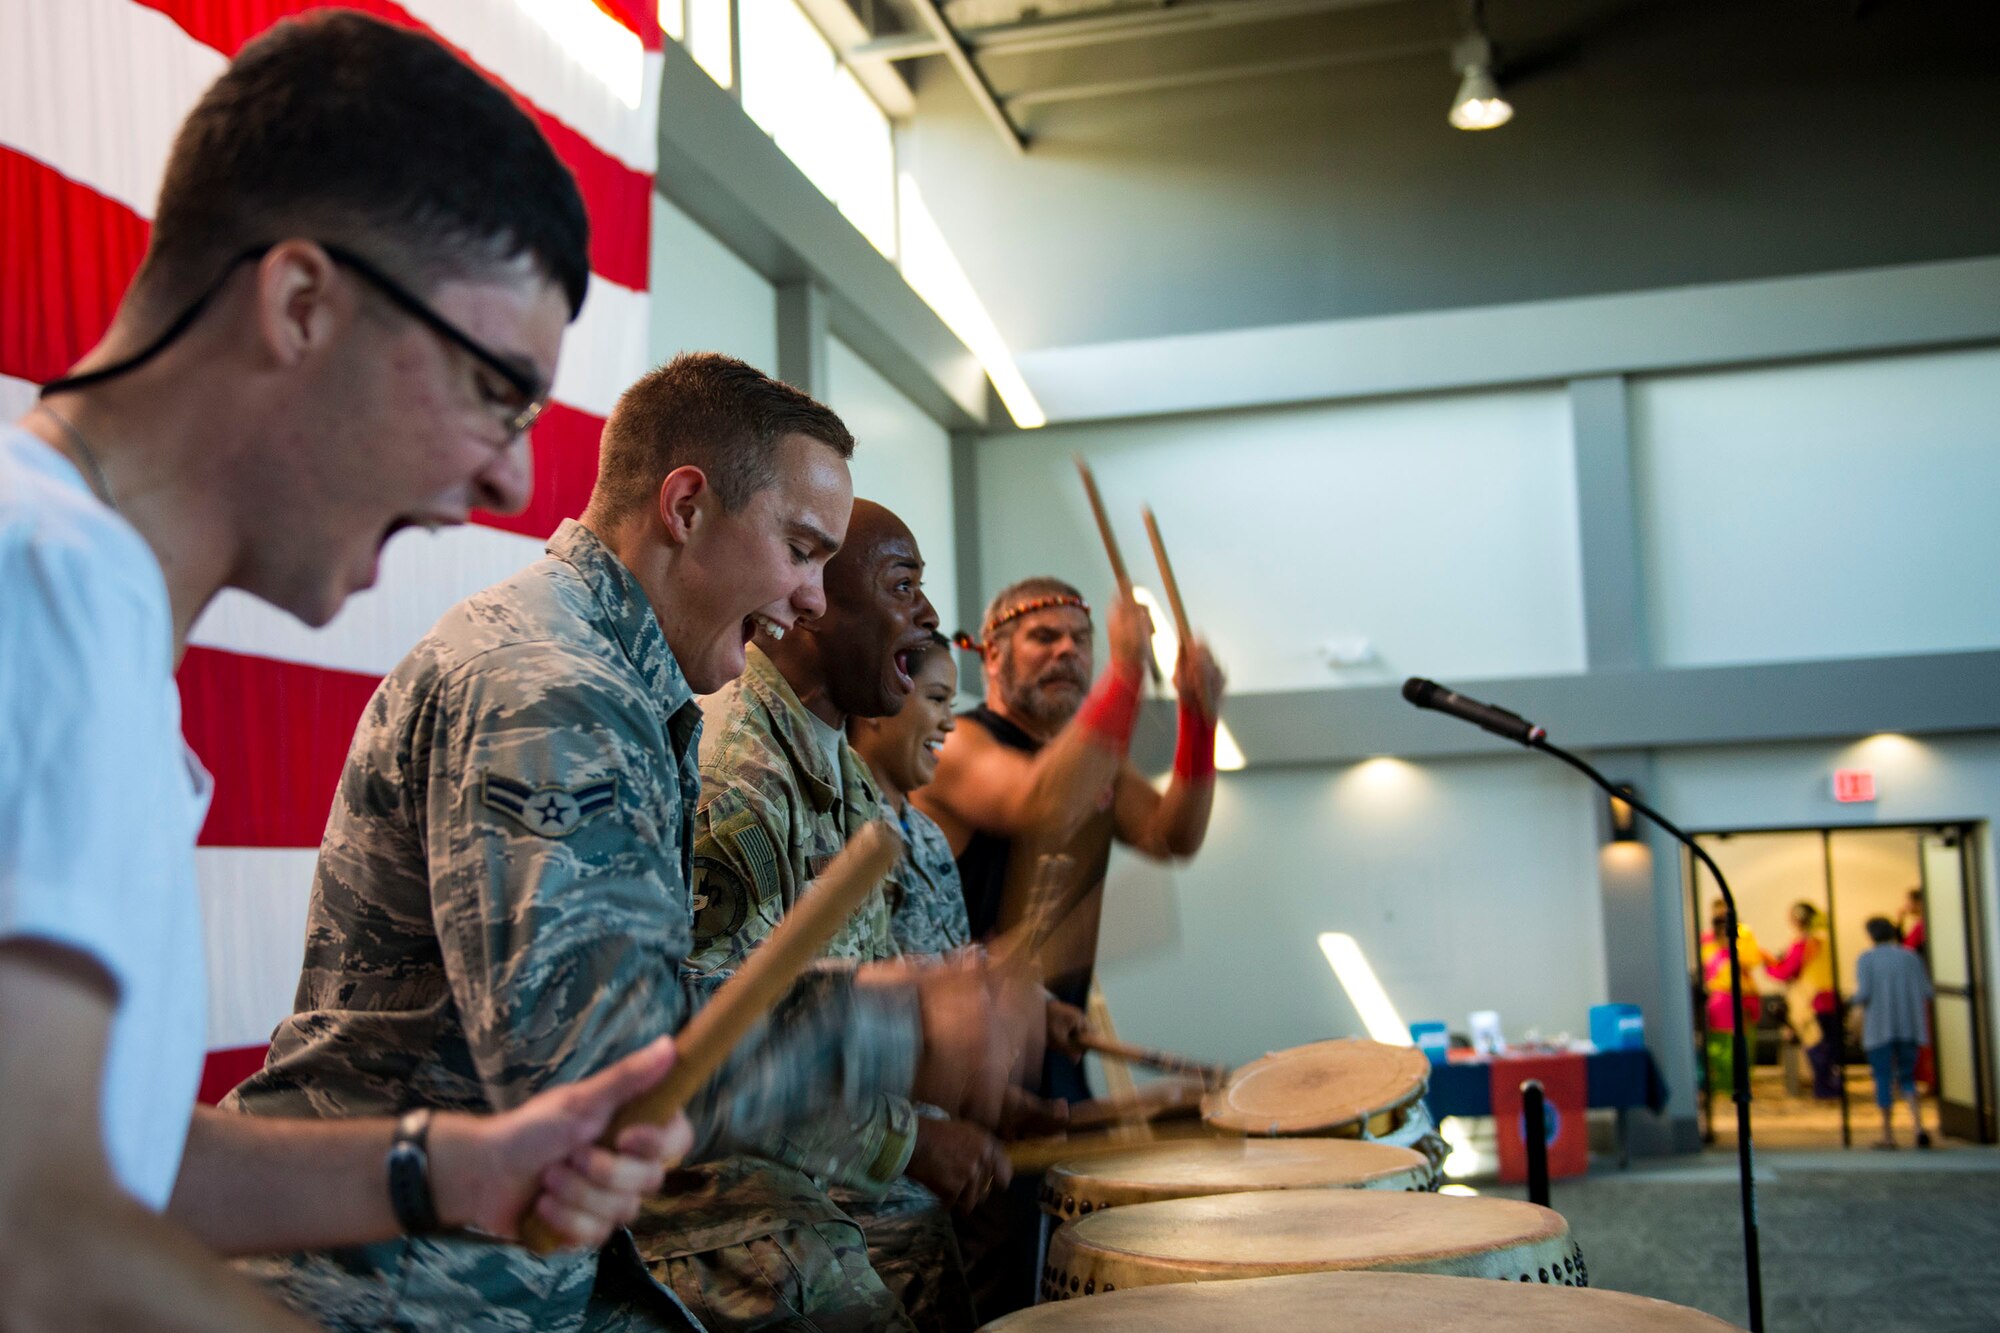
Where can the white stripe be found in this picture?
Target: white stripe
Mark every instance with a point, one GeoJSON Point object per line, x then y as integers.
{"type": "Point", "coordinates": [16, 397]}
{"type": "Point", "coordinates": [508, 43]}
{"type": "Point", "coordinates": [606, 349]}
{"type": "Point", "coordinates": [97, 89]}
{"type": "Point", "coordinates": [422, 576]}
{"type": "Point", "coordinates": [253, 908]}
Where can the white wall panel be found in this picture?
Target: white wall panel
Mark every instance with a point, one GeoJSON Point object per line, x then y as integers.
{"type": "Point", "coordinates": [1441, 529]}
{"type": "Point", "coordinates": [902, 459]}
{"type": "Point", "coordinates": [1468, 884]}
{"type": "Point", "coordinates": [1841, 509]}
{"type": "Point", "coordinates": [704, 298]}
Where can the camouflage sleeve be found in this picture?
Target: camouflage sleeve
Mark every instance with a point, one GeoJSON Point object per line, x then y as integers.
{"type": "Point", "coordinates": [744, 878]}
{"type": "Point", "coordinates": [743, 886]}
{"type": "Point", "coordinates": [865, 1155]}
{"type": "Point", "coordinates": [553, 831]}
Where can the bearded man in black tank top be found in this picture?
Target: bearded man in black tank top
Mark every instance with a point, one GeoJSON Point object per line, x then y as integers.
{"type": "Point", "coordinates": [1039, 768]}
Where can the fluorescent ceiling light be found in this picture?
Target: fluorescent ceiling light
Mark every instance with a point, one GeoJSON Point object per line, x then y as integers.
{"type": "Point", "coordinates": [933, 272]}
{"type": "Point", "coordinates": [1166, 649]}
{"type": "Point", "coordinates": [1364, 991]}
{"type": "Point", "coordinates": [594, 40]}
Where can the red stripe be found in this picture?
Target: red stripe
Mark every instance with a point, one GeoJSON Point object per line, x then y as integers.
{"type": "Point", "coordinates": [565, 451]}
{"type": "Point", "coordinates": [224, 1069]}
{"type": "Point", "coordinates": [615, 196]}
{"type": "Point", "coordinates": [52, 310]}
{"type": "Point", "coordinates": [275, 736]}
{"type": "Point", "coordinates": [641, 16]}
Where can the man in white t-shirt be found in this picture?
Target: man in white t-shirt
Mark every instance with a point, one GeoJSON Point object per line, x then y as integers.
{"type": "Point", "coordinates": [361, 267]}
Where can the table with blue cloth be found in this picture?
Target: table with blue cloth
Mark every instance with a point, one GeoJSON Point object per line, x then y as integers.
{"type": "Point", "coordinates": [1618, 1080]}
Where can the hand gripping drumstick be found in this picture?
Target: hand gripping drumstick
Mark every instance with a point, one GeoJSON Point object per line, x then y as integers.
{"type": "Point", "coordinates": [1173, 587]}
{"type": "Point", "coordinates": [1213, 1075]}
{"type": "Point", "coordinates": [709, 1037]}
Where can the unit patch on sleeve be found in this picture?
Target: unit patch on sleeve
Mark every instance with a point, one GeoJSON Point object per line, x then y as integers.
{"type": "Point", "coordinates": [550, 812]}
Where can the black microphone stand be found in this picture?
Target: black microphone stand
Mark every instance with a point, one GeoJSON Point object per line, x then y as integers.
{"type": "Point", "coordinates": [1753, 1273]}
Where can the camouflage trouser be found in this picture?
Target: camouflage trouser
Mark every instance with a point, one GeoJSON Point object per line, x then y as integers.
{"type": "Point", "coordinates": [914, 1250]}
{"type": "Point", "coordinates": [748, 1245]}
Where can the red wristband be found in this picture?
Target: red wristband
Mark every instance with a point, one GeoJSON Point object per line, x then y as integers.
{"type": "Point", "coordinates": [1194, 746]}
{"type": "Point", "coordinates": [1111, 711]}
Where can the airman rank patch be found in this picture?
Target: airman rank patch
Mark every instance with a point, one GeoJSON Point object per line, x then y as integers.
{"type": "Point", "coordinates": [550, 812]}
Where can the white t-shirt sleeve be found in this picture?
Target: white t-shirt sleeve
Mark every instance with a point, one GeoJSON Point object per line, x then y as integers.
{"type": "Point", "coordinates": [84, 653]}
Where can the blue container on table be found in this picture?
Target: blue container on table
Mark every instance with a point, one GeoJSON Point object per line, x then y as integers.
{"type": "Point", "coordinates": [1433, 1039]}
{"type": "Point", "coordinates": [1617, 1027]}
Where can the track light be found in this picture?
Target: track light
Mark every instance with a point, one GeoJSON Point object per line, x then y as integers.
{"type": "Point", "coordinates": [1479, 105]}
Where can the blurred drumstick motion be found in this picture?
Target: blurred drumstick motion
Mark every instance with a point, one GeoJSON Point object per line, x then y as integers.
{"type": "Point", "coordinates": [1174, 602]}
{"type": "Point", "coordinates": [1050, 900]}
{"type": "Point", "coordinates": [769, 971]}
{"type": "Point", "coordinates": [1040, 1154]}
{"type": "Point", "coordinates": [1162, 1100]}
{"type": "Point", "coordinates": [1213, 1075]}
{"type": "Point", "coordinates": [1104, 527]}
{"type": "Point", "coordinates": [1110, 546]}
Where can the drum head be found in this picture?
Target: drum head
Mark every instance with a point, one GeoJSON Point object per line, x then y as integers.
{"type": "Point", "coordinates": [1362, 1303]}
{"type": "Point", "coordinates": [1318, 1088]}
{"type": "Point", "coordinates": [1202, 1167]}
{"type": "Point", "coordinates": [1296, 1231]}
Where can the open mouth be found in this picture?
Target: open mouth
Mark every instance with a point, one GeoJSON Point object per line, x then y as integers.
{"type": "Point", "coordinates": [902, 663]}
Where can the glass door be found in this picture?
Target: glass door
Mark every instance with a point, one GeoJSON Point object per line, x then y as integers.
{"type": "Point", "coordinates": [1951, 948]}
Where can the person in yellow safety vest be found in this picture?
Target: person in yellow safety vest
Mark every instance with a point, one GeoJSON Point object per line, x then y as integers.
{"type": "Point", "coordinates": [1807, 970]}
{"type": "Point", "coordinates": [1715, 985]}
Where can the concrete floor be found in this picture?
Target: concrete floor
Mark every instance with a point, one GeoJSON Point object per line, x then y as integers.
{"type": "Point", "coordinates": [1853, 1242]}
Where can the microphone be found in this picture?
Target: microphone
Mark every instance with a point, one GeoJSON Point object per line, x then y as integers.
{"type": "Point", "coordinates": [1512, 726]}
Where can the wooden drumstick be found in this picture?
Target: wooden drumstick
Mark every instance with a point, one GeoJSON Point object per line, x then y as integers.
{"type": "Point", "coordinates": [1181, 626]}
{"type": "Point", "coordinates": [1161, 1099]}
{"type": "Point", "coordinates": [1214, 1075]}
{"type": "Point", "coordinates": [769, 971]}
{"type": "Point", "coordinates": [1104, 527]}
{"type": "Point", "coordinates": [1040, 1154]}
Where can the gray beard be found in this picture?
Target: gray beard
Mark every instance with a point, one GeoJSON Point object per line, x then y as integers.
{"type": "Point", "coordinates": [1034, 703]}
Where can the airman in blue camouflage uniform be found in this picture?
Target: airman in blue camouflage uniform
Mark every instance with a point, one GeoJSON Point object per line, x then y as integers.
{"type": "Point", "coordinates": [502, 898]}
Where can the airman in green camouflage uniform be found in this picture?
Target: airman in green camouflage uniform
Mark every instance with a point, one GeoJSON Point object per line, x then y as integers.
{"type": "Point", "coordinates": [501, 904]}
{"type": "Point", "coordinates": [782, 792]}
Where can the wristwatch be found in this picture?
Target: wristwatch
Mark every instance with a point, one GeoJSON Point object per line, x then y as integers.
{"type": "Point", "coordinates": [410, 1175]}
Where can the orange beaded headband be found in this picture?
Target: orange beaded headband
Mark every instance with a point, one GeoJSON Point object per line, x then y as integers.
{"type": "Point", "coordinates": [1015, 612]}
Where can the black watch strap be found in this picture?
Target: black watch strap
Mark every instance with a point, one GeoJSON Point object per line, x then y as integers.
{"type": "Point", "coordinates": [410, 1174]}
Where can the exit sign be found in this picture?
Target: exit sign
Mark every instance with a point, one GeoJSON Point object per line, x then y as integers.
{"type": "Point", "coordinates": [1853, 784]}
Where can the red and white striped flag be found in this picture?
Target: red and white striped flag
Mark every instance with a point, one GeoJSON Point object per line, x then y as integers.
{"type": "Point", "coordinates": [91, 94]}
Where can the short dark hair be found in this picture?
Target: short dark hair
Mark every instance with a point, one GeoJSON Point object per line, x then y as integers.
{"type": "Point", "coordinates": [341, 128]}
{"type": "Point", "coordinates": [1883, 931]}
{"type": "Point", "coordinates": [710, 411]}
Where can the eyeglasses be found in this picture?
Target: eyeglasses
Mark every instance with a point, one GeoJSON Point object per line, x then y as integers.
{"type": "Point", "coordinates": [533, 396]}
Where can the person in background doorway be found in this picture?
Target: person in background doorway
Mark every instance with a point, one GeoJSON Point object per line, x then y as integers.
{"type": "Point", "coordinates": [1913, 926]}
{"type": "Point", "coordinates": [1807, 970]}
{"type": "Point", "coordinates": [1910, 922]}
{"type": "Point", "coordinates": [1894, 989]}
{"type": "Point", "coordinates": [1715, 986]}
